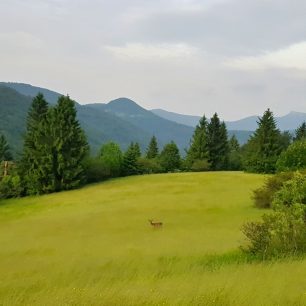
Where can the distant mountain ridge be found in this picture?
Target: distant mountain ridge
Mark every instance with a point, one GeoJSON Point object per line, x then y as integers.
{"type": "Point", "coordinates": [122, 120]}
{"type": "Point", "coordinates": [288, 122]}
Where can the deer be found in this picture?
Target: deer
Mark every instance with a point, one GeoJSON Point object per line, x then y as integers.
{"type": "Point", "coordinates": [156, 224]}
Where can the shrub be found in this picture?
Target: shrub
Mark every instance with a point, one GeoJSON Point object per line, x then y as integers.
{"type": "Point", "coordinates": [263, 196]}
{"type": "Point", "coordinates": [200, 165]}
{"type": "Point", "coordinates": [283, 231]}
{"type": "Point", "coordinates": [294, 158]}
{"type": "Point", "coordinates": [96, 170]}
{"type": "Point", "coordinates": [11, 187]}
{"type": "Point", "coordinates": [148, 166]}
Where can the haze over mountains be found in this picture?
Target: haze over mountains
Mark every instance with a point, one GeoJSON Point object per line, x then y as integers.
{"type": "Point", "coordinates": [121, 120]}
{"type": "Point", "coordinates": [288, 122]}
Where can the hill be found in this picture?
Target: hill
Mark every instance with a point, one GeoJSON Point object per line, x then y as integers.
{"type": "Point", "coordinates": [99, 125]}
{"type": "Point", "coordinates": [121, 120]}
{"type": "Point", "coordinates": [288, 122]}
{"type": "Point", "coordinates": [165, 130]}
{"type": "Point", "coordinates": [94, 246]}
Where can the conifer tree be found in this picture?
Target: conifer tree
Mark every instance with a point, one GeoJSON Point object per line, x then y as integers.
{"type": "Point", "coordinates": [264, 147]}
{"type": "Point", "coordinates": [137, 150]}
{"type": "Point", "coordinates": [33, 162]}
{"type": "Point", "coordinates": [234, 154]}
{"type": "Point", "coordinates": [217, 144]}
{"type": "Point", "coordinates": [198, 150]}
{"type": "Point", "coordinates": [300, 132]}
{"type": "Point", "coordinates": [152, 150]}
{"type": "Point", "coordinates": [5, 153]}
{"type": "Point", "coordinates": [68, 147]}
{"type": "Point", "coordinates": [130, 158]}
{"type": "Point", "coordinates": [170, 159]}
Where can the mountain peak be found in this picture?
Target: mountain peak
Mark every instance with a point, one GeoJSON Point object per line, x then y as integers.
{"type": "Point", "coordinates": [124, 105]}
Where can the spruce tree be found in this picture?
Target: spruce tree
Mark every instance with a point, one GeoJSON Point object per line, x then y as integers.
{"type": "Point", "coordinates": [170, 159]}
{"type": "Point", "coordinates": [130, 157]}
{"type": "Point", "coordinates": [152, 150]}
{"type": "Point", "coordinates": [300, 132]}
{"type": "Point", "coordinates": [68, 146]}
{"type": "Point", "coordinates": [5, 153]}
{"type": "Point", "coordinates": [198, 151]}
{"type": "Point", "coordinates": [217, 144]}
{"type": "Point", "coordinates": [264, 147]}
{"type": "Point", "coordinates": [33, 162]}
{"type": "Point", "coordinates": [234, 154]}
{"type": "Point", "coordinates": [137, 150]}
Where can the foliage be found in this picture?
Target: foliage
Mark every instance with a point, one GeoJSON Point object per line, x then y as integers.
{"type": "Point", "coordinates": [264, 195]}
{"type": "Point", "coordinates": [5, 153]}
{"type": "Point", "coordinates": [170, 159]}
{"type": "Point", "coordinates": [264, 147]}
{"type": "Point", "coordinates": [111, 158]}
{"type": "Point", "coordinates": [11, 186]}
{"type": "Point", "coordinates": [294, 158]}
{"type": "Point", "coordinates": [198, 151]}
{"type": "Point", "coordinates": [152, 150]}
{"type": "Point", "coordinates": [54, 149]}
{"type": "Point", "coordinates": [234, 158]}
{"type": "Point", "coordinates": [300, 132]}
{"type": "Point", "coordinates": [149, 165]}
{"type": "Point", "coordinates": [130, 158]}
{"type": "Point", "coordinates": [283, 231]}
{"type": "Point", "coordinates": [217, 144]}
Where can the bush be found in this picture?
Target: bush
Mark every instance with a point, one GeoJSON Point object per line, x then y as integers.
{"type": "Point", "coordinates": [294, 158]}
{"type": "Point", "coordinates": [263, 196]}
{"type": "Point", "coordinates": [149, 166]}
{"type": "Point", "coordinates": [11, 187]}
{"type": "Point", "coordinates": [200, 165]}
{"type": "Point", "coordinates": [283, 231]}
{"type": "Point", "coordinates": [96, 170]}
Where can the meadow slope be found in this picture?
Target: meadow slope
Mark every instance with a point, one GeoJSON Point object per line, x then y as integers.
{"type": "Point", "coordinates": [94, 246]}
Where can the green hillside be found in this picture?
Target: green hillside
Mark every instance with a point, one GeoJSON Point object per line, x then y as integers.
{"type": "Point", "coordinates": [94, 246]}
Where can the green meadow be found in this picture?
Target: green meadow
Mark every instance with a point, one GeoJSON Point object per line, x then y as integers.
{"type": "Point", "coordinates": [95, 246]}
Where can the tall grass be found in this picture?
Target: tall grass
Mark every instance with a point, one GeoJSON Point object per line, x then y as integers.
{"type": "Point", "coordinates": [94, 246]}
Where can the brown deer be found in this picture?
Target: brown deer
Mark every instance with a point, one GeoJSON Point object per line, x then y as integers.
{"type": "Point", "coordinates": [156, 224]}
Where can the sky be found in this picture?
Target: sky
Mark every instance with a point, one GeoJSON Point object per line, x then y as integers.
{"type": "Point", "coordinates": [233, 57]}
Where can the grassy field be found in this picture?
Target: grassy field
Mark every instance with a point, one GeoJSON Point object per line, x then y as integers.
{"type": "Point", "coordinates": [94, 246]}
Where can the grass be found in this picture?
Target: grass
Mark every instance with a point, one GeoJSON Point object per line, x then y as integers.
{"type": "Point", "coordinates": [94, 246]}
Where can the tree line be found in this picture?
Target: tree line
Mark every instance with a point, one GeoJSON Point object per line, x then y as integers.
{"type": "Point", "coordinates": [56, 154]}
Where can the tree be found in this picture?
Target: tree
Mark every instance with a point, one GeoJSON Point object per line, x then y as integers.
{"type": "Point", "coordinates": [300, 132]}
{"type": "Point", "coordinates": [152, 150]}
{"type": "Point", "coordinates": [264, 147]}
{"type": "Point", "coordinates": [234, 161]}
{"type": "Point", "coordinates": [34, 161]}
{"type": "Point", "coordinates": [111, 158]}
{"type": "Point", "coordinates": [217, 144]}
{"type": "Point", "coordinates": [197, 155]}
{"type": "Point", "coordinates": [170, 159]}
{"type": "Point", "coordinates": [294, 158]}
{"type": "Point", "coordinates": [130, 158]}
{"type": "Point", "coordinates": [5, 153]}
{"type": "Point", "coordinates": [68, 147]}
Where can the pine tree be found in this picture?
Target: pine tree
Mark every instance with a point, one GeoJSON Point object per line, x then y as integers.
{"type": "Point", "coordinates": [300, 132]}
{"type": "Point", "coordinates": [234, 154]}
{"type": "Point", "coordinates": [5, 153]}
{"type": "Point", "coordinates": [33, 162]}
{"type": "Point", "coordinates": [198, 151]}
{"type": "Point", "coordinates": [217, 144]}
{"type": "Point", "coordinates": [68, 146]}
{"type": "Point", "coordinates": [130, 158]}
{"type": "Point", "coordinates": [170, 159]}
{"type": "Point", "coordinates": [264, 147]}
{"type": "Point", "coordinates": [152, 150]}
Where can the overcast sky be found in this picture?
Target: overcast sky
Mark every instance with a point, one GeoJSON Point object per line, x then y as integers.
{"type": "Point", "coordinates": [236, 57]}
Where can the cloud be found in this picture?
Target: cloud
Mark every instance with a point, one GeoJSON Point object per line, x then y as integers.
{"type": "Point", "coordinates": [144, 52]}
{"type": "Point", "coordinates": [292, 57]}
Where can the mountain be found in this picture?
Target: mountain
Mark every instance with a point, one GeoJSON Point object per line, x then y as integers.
{"type": "Point", "coordinates": [178, 118]}
{"type": "Point", "coordinates": [32, 91]}
{"type": "Point", "coordinates": [288, 122]}
{"type": "Point", "coordinates": [165, 130]}
{"type": "Point", "coordinates": [121, 120]}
